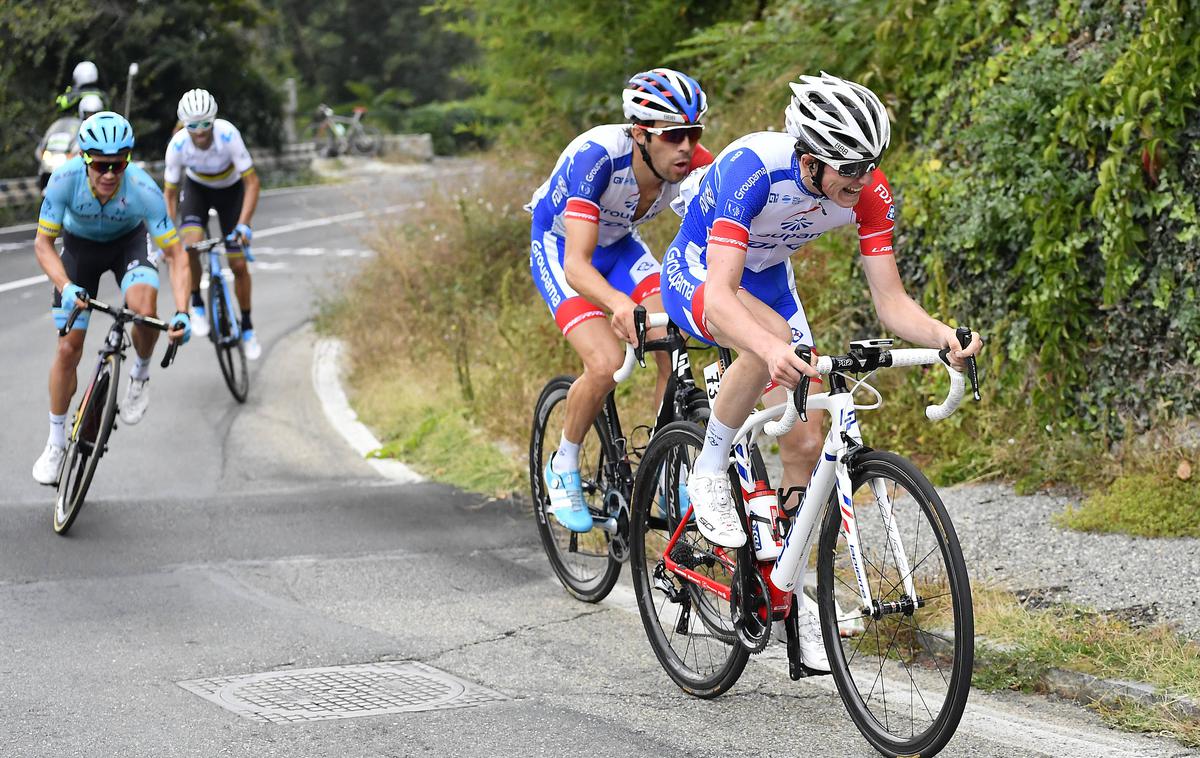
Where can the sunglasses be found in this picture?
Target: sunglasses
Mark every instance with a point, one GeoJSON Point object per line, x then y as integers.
{"type": "Point", "coordinates": [676, 134]}
{"type": "Point", "coordinates": [198, 126]}
{"type": "Point", "coordinates": [850, 169]}
{"type": "Point", "coordinates": [105, 167]}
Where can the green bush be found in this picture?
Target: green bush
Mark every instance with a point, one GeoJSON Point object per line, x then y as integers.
{"type": "Point", "coordinates": [456, 127]}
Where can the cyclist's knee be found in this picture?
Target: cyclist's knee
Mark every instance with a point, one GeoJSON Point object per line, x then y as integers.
{"type": "Point", "coordinates": [70, 350]}
{"type": "Point", "coordinates": [802, 445]}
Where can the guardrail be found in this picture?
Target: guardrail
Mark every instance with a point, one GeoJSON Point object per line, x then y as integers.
{"type": "Point", "coordinates": [414, 146]}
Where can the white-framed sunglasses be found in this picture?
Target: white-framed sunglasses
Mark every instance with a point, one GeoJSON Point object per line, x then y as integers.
{"type": "Point", "coordinates": [676, 134]}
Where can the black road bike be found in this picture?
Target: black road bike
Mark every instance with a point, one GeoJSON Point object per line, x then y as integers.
{"type": "Point", "coordinates": [96, 415]}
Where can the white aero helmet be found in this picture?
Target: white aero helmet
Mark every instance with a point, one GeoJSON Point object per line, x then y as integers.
{"type": "Point", "coordinates": [89, 105]}
{"type": "Point", "coordinates": [85, 73]}
{"type": "Point", "coordinates": [197, 105]}
{"type": "Point", "coordinates": [837, 120]}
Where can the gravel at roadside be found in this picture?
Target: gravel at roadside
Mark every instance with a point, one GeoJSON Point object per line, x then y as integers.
{"type": "Point", "coordinates": [1009, 539]}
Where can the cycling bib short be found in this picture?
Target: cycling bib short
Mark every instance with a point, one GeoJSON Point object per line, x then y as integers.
{"type": "Point", "coordinates": [131, 259]}
{"type": "Point", "coordinates": [195, 199]}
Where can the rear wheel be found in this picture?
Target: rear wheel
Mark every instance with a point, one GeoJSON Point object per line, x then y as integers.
{"type": "Point", "coordinates": [230, 354]}
{"type": "Point", "coordinates": [905, 676]}
{"type": "Point", "coordinates": [584, 562]}
{"type": "Point", "coordinates": [365, 140]}
{"type": "Point", "coordinates": [94, 422]}
{"type": "Point", "coordinates": [688, 624]}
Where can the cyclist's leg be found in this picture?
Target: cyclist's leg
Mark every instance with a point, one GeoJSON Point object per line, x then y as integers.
{"type": "Point", "coordinates": [193, 220]}
{"type": "Point", "coordinates": [80, 258]}
{"type": "Point", "coordinates": [587, 331]}
{"type": "Point", "coordinates": [637, 273]}
{"type": "Point", "coordinates": [139, 284]}
{"type": "Point", "coordinates": [799, 448]}
{"type": "Point", "coordinates": [228, 202]}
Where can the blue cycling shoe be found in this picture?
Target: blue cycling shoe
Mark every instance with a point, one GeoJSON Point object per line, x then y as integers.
{"type": "Point", "coordinates": [566, 499]}
{"type": "Point", "coordinates": [685, 501]}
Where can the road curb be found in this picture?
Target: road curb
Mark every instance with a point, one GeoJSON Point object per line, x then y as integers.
{"type": "Point", "coordinates": [327, 381]}
{"type": "Point", "coordinates": [1077, 686]}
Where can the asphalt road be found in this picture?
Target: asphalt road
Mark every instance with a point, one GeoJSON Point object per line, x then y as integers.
{"type": "Point", "coordinates": [222, 540]}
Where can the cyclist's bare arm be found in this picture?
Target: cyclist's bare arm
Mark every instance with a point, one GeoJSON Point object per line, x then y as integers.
{"type": "Point", "coordinates": [738, 327]}
{"type": "Point", "coordinates": [901, 315]}
{"type": "Point", "coordinates": [47, 258]}
{"type": "Point", "coordinates": [171, 196]}
{"type": "Point", "coordinates": [181, 279]}
{"type": "Point", "coordinates": [249, 196]}
{"type": "Point", "coordinates": [582, 236]}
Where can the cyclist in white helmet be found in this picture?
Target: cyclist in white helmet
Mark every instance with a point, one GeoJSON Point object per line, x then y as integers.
{"type": "Point", "coordinates": [85, 81]}
{"type": "Point", "coordinates": [587, 258]}
{"type": "Point", "coordinates": [208, 166]}
{"type": "Point", "coordinates": [728, 279]}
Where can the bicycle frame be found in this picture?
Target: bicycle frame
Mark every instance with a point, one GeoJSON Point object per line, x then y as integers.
{"type": "Point", "coordinates": [831, 473]}
{"type": "Point", "coordinates": [216, 274]}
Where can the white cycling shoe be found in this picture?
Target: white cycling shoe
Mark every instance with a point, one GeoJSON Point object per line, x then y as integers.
{"type": "Point", "coordinates": [200, 325]}
{"type": "Point", "coordinates": [808, 624]}
{"type": "Point", "coordinates": [48, 464]}
{"type": "Point", "coordinates": [716, 516]}
{"type": "Point", "coordinates": [137, 399]}
{"type": "Point", "coordinates": [250, 345]}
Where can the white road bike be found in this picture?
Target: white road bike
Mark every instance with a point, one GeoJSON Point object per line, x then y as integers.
{"type": "Point", "coordinates": [892, 589]}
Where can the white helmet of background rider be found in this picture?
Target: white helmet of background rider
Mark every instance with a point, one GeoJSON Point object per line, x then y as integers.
{"type": "Point", "coordinates": [197, 105]}
{"type": "Point", "coordinates": [89, 105]}
{"type": "Point", "coordinates": [85, 73]}
{"type": "Point", "coordinates": [837, 120]}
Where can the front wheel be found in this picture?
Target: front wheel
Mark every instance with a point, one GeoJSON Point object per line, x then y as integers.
{"type": "Point", "coordinates": [227, 339]}
{"type": "Point", "coordinates": [583, 562]}
{"type": "Point", "coordinates": [905, 677]}
{"type": "Point", "coordinates": [93, 423]}
{"type": "Point", "coordinates": [365, 140]}
{"type": "Point", "coordinates": [687, 622]}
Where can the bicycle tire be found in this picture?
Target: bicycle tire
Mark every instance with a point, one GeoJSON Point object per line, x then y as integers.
{"type": "Point", "coordinates": [681, 640]}
{"type": "Point", "coordinates": [913, 645]}
{"type": "Point", "coordinates": [231, 354]}
{"type": "Point", "coordinates": [96, 415]}
{"type": "Point", "coordinates": [583, 562]}
{"type": "Point", "coordinates": [365, 140]}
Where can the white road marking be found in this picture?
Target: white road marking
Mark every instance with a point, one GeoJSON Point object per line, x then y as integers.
{"type": "Point", "coordinates": [304, 251]}
{"type": "Point", "coordinates": [27, 282]}
{"type": "Point", "coordinates": [327, 383]}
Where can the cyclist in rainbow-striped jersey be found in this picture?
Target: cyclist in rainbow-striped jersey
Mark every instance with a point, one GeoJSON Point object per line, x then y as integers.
{"type": "Point", "coordinates": [588, 259]}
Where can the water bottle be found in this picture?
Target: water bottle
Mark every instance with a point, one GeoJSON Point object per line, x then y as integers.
{"type": "Point", "coordinates": [763, 509]}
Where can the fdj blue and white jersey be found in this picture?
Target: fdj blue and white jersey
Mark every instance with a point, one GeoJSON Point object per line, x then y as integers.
{"type": "Point", "coordinates": [593, 180]}
{"type": "Point", "coordinates": [69, 204]}
{"type": "Point", "coordinates": [752, 198]}
{"type": "Point", "coordinates": [222, 165]}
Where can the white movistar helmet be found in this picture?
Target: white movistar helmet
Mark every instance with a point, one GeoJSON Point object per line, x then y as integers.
{"type": "Point", "coordinates": [89, 105]}
{"type": "Point", "coordinates": [837, 120]}
{"type": "Point", "coordinates": [197, 105]}
{"type": "Point", "coordinates": [85, 73]}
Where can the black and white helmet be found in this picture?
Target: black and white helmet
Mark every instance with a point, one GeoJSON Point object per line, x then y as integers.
{"type": "Point", "coordinates": [837, 120]}
{"type": "Point", "coordinates": [197, 105]}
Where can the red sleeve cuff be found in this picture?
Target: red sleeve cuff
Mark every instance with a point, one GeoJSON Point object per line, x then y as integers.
{"type": "Point", "coordinates": [726, 232]}
{"type": "Point", "coordinates": [584, 210]}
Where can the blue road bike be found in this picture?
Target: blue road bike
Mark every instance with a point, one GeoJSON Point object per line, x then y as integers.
{"type": "Point", "coordinates": [225, 320]}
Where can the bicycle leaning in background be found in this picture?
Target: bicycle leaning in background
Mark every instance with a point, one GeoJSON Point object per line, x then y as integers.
{"type": "Point", "coordinates": [337, 135]}
{"type": "Point", "coordinates": [901, 655]}
{"type": "Point", "coordinates": [589, 563]}
{"type": "Point", "coordinates": [224, 319]}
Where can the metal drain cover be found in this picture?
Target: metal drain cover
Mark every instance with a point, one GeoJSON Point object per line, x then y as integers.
{"type": "Point", "coordinates": [340, 692]}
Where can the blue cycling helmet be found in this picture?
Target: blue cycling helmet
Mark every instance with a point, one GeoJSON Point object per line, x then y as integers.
{"type": "Point", "coordinates": [106, 132]}
{"type": "Point", "coordinates": [663, 94]}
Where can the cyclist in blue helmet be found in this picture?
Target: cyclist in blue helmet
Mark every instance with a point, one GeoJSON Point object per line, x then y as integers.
{"type": "Point", "coordinates": [588, 259]}
{"type": "Point", "coordinates": [106, 210]}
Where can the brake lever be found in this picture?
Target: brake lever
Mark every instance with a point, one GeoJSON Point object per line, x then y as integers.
{"type": "Point", "coordinates": [639, 330]}
{"type": "Point", "coordinates": [964, 339]}
{"type": "Point", "coordinates": [800, 396]}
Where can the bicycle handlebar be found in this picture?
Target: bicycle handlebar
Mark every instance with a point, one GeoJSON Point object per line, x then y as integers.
{"type": "Point", "coordinates": [123, 314]}
{"type": "Point", "coordinates": [642, 321]}
{"type": "Point", "coordinates": [205, 246]}
{"type": "Point", "coordinates": [827, 364]}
